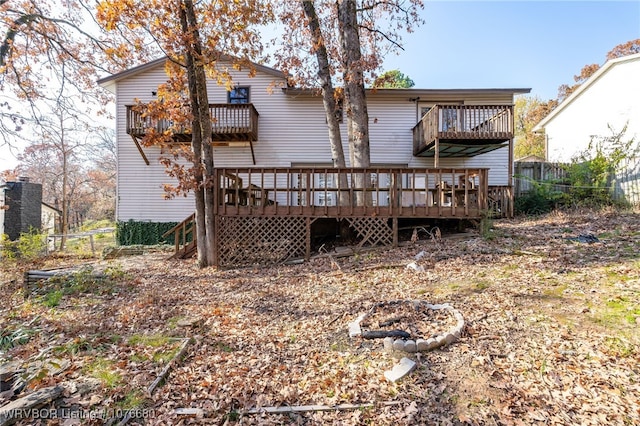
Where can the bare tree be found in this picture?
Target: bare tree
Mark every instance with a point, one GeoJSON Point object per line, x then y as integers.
{"type": "Point", "coordinates": [349, 40]}
{"type": "Point", "coordinates": [193, 45]}
{"type": "Point", "coordinates": [61, 135]}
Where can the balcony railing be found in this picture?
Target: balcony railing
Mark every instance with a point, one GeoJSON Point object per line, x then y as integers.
{"type": "Point", "coordinates": [352, 192]}
{"type": "Point", "coordinates": [229, 123]}
{"type": "Point", "coordinates": [475, 125]}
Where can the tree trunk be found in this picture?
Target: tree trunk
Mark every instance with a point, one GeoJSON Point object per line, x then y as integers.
{"type": "Point", "coordinates": [65, 183]}
{"type": "Point", "coordinates": [196, 146]}
{"type": "Point", "coordinates": [331, 109]}
{"type": "Point", "coordinates": [355, 98]}
{"type": "Point", "coordinates": [205, 129]}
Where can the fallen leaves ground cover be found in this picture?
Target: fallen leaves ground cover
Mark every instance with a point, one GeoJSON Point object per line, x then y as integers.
{"type": "Point", "coordinates": [551, 335]}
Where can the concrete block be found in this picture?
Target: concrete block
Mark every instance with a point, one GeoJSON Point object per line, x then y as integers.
{"type": "Point", "coordinates": [410, 346]}
{"type": "Point", "coordinates": [400, 370]}
{"type": "Point", "coordinates": [431, 344]}
{"type": "Point", "coordinates": [388, 344]}
{"type": "Point", "coordinates": [354, 327]}
{"type": "Point", "coordinates": [398, 345]}
{"type": "Point", "coordinates": [421, 345]}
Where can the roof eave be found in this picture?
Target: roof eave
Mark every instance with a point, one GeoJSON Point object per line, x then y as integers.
{"type": "Point", "coordinates": [417, 92]}
{"type": "Point", "coordinates": [590, 81]}
{"type": "Point", "coordinates": [109, 82]}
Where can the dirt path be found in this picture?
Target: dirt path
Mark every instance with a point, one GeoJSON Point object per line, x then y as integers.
{"type": "Point", "coordinates": [551, 336]}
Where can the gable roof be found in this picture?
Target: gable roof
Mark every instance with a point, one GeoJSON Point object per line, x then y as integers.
{"type": "Point", "coordinates": [584, 86]}
{"type": "Point", "coordinates": [50, 207]}
{"type": "Point", "coordinates": [110, 81]}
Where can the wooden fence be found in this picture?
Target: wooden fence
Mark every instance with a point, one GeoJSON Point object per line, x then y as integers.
{"type": "Point", "coordinates": [624, 185]}
{"type": "Point", "coordinates": [528, 173]}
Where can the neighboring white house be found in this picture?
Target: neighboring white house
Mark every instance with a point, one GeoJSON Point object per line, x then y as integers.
{"type": "Point", "coordinates": [600, 108]}
{"type": "Point", "coordinates": [609, 99]}
{"type": "Point", "coordinates": [293, 132]}
{"type": "Point", "coordinates": [50, 219]}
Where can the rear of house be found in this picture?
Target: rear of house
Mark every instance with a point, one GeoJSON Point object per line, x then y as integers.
{"type": "Point", "coordinates": [434, 153]}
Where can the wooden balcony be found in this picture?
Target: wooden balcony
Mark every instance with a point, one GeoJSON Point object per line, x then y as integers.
{"type": "Point", "coordinates": [462, 130]}
{"type": "Point", "coordinates": [229, 123]}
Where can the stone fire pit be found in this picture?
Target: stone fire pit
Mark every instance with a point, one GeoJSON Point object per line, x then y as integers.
{"type": "Point", "coordinates": [409, 325]}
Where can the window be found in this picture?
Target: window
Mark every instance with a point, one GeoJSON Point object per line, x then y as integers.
{"type": "Point", "coordinates": [238, 95]}
{"type": "Point", "coordinates": [325, 198]}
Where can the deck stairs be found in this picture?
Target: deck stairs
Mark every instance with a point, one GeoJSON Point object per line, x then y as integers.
{"type": "Point", "coordinates": [184, 238]}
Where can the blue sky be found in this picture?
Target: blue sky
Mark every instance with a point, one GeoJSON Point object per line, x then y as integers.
{"type": "Point", "coordinates": [536, 44]}
{"type": "Point", "coordinates": [508, 43]}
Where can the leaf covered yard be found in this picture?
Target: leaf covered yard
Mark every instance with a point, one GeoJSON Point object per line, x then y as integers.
{"type": "Point", "coordinates": [550, 337]}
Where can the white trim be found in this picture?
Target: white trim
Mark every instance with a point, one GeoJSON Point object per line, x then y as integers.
{"type": "Point", "coordinates": [584, 86]}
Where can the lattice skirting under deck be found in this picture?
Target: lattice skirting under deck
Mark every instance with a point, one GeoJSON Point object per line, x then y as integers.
{"type": "Point", "coordinates": [246, 241]}
{"type": "Point", "coordinates": [373, 230]}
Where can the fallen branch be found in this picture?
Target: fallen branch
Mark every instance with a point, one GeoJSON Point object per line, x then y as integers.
{"type": "Point", "coordinates": [390, 321]}
{"type": "Point", "coordinates": [525, 253]}
{"type": "Point", "coordinates": [381, 266]}
{"type": "Point", "coordinates": [488, 338]}
{"type": "Point", "coordinates": [309, 408]}
{"type": "Point", "coordinates": [333, 261]}
{"type": "Point", "coordinates": [342, 315]}
{"type": "Point", "coordinates": [165, 371]}
{"type": "Point", "coordinates": [28, 402]}
{"type": "Point", "coordinates": [381, 334]}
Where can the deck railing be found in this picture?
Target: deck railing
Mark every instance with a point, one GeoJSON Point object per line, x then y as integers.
{"type": "Point", "coordinates": [463, 122]}
{"type": "Point", "coordinates": [229, 122]}
{"type": "Point", "coordinates": [352, 192]}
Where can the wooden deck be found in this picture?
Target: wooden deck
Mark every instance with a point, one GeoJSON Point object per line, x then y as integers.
{"type": "Point", "coordinates": [268, 215]}
{"type": "Point", "coordinates": [229, 122]}
{"type": "Point", "coordinates": [350, 192]}
{"type": "Point", "coordinates": [462, 130]}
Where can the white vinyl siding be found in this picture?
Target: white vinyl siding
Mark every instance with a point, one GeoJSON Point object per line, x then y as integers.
{"type": "Point", "coordinates": [611, 100]}
{"type": "Point", "coordinates": [292, 129]}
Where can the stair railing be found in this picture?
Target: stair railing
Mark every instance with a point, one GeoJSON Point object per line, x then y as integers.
{"type": "Point", "coordinates": [181, 234]}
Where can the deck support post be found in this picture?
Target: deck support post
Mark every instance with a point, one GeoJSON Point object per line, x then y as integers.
{"type": "Point", "coordinates": [253, 155]}
{"type": "Point", "coordinates": [215, 240]}
{"type": "Point", "coordinates": [144, 157]}
{"type": "Point", "coordinates": [510, 177]}
{"type": "Point", "coordinates": [307, 254]}
{"type": "Point", "coordinates": [394, 226]}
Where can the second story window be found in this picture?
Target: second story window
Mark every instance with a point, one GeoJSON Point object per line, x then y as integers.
{"type": "Point", "coordinates": [238, 95]}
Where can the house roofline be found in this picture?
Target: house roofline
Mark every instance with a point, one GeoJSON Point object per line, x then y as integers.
{"type": "Point", "coordinates": [584, 86]}
{"type": "Point", "coordinates": [109, 81]}
{"type": "Point", "coordinates": [51, 207]}
{"type": "Point", "coordinates": [418, 92]}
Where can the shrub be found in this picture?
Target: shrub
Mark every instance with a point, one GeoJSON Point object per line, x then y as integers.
{"type": "Point", "coordinates": [592, 171]}
{"type": "Point", "coordinates": [543, 198]}
{"type": "Point", "coordinates": [28, 246]}
{"type": "Point", "coordinates": [143, 233]}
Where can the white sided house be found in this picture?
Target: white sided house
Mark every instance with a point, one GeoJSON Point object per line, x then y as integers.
{"type": "Point", "coordinates": [600, 108]}
{"type": "Point", "coordinates": [435, 153]}
{"type": "Point", "coordinates": [609, 99]}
